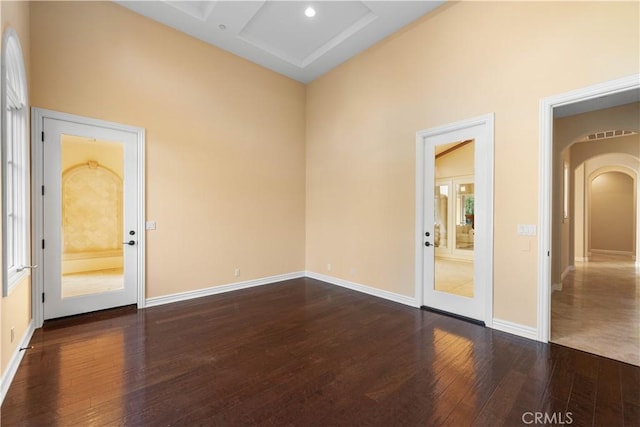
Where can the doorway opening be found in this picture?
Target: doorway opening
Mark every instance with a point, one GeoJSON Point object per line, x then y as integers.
{"type": "Point", "coordinates": [594, 306]}
{"type": "Point", "coordinates": [590, 156]}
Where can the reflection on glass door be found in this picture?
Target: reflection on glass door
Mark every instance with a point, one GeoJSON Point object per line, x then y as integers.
{"type": "Point", "coordinates": [441, 229]}
{"type": "Point", "coordinates": [464, 216]}
{"type": "Point", "coordinates": [92, 216]}
{"type": "Point", "coordinates": [454, 217]}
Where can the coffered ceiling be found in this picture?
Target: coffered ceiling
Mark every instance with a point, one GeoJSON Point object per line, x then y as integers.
{"type": "Point", "coordinates": [279, 36]}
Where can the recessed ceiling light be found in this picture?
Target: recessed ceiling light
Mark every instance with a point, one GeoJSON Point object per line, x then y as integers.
{"type": "Point", "coordinates": [222, 27]}
{"type": "Point", "coordinates": [310, 12]}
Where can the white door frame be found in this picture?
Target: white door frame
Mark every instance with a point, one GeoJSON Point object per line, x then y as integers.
{"type": "Point", "coordinates": [484, 163]}
{"type": "Point", "coordinates": [37, 233]}
{"type": "Point", "coordinates": [545, 185]}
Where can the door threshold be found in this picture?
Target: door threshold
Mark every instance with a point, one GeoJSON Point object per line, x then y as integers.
{"type": "Point", "coordinates": [91, 316]}
{"type": "Point", "coordinates": [455, 316]}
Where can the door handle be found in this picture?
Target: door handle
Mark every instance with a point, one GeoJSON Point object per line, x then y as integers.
{"type": "Point", "coordinates": [427, 244]}
{"type": "Point", "coordinates": [26, 267]}
{"type": "Point", "coordinates": [130, 243]}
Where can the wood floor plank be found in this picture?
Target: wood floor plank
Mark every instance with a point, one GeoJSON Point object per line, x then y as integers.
{"type": "Point", "coordinates": [608, 407]}
{"type": "Point", "coordinates": [303, 353]}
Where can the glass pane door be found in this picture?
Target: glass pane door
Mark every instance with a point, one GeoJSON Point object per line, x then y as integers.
{"type": "Point", "coordinates": [92, 216]}
{"type": "Point", "coordinates": [454, 232]}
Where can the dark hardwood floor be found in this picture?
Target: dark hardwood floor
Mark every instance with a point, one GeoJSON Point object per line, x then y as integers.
{"type": "Point", "coordinates": [306, 353]}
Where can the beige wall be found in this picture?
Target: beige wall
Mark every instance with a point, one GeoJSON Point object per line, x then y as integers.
{"type": "Point", "coordinates": [583, 151]}
{"type": "Point", "coordinates": [16, 308]}
{"type": "Point", "coordinates": [77, 152]}
{"type": "Point", "coordinates": [577, 215]}
{"type": "Point", "coordinates": [456, 163]}
{"type": "Point", "coordinates": [464, 60]}
{"type": "Point", "coordinates": [612, 212]}
{"type": "Point", "coordinates": [225, 139]}
{"type": "Point", "coordinates": [560, 261]}
{"type": "Point", "coordinates": [568, 130]}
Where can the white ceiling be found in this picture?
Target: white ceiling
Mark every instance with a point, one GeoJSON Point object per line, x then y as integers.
{"type": "Point", "coordinates": [278, 35]}
{"type": "Point", "coordinates": [607, 101]}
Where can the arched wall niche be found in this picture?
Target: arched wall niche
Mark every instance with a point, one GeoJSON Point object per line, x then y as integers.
{"type": "Point", "coordinates": [584, 174]}
{"type": "Point", "coordinates": [92, 215]}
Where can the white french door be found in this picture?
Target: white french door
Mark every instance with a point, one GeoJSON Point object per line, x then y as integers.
{"type": "Point", "coordinates": [458, 279]}
{"type": "Point", "coordinates": [91, 216]}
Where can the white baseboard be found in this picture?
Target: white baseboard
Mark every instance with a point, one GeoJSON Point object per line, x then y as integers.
{"type": "Point", "coordinates": [14, 363]}
{"type": "Point", "coordinates": [558, 286]}
{"type": "Point", "coordinates": [566, 271]}
{"type": "Point", "coordinates": [515, 329]}
{"type": "Point", "coordinates": [183, 296]}
{"type": "Point", "coordinates": [582, 259]}
{"type": "Point", "coordinates": [610, 252]}
{"type": "Point", "coordinates": [391, 296]}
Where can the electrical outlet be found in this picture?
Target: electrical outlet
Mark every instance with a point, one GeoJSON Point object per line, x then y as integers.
{"type": "Point", "coordinates": [13, 333]}
{"type": "Point", "coordinates": [328, 267]}
{"type": "Point", "coordinates": [237, 272]}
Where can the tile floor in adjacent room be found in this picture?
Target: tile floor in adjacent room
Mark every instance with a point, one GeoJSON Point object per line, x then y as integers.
{"type": "Point", "coordinates": [92, 282]}
{"type": "Point", "coordinates": [454, 276]}
{"type": "Point", "coordinates": [598, 308]}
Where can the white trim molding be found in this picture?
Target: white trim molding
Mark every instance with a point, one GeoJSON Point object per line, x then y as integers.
{"type": "Point", "coordinates": [14, 363]}
{"type": "Point", "coordinates": [558, 286]}
{"type": "Point", "coordinates": [380, 293]}
{"type": "Point", "coordinates": [611, 252]}
{"type": "Point", "coordinates": [515, 329]}
{"type": "Point", "coordinates": [566, 271]}
{"type": "Point", "coordinates": [545, 185]}
{"type": "Point", "coordinates": [213, 290]}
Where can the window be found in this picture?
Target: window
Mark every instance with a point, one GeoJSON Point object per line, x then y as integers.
{"type": "Point", "coordinates": [565, 191]}
{"type": "Point", "coordinates": [15, 169]}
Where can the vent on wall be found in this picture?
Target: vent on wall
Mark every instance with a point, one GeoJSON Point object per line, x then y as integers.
{"type": "Point", "coordinates": [607, 134]}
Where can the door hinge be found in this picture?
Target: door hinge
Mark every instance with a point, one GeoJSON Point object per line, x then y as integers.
{"type": "Point", "coordinates": [43, 297]}
{"type": "Point", "coordinates": [42, 243]}
{"type": "Point", "coordinates": [42, 135]}
{"type": "Point", "coordinates": [548, 253]}
{"type": "Point", "coordinates": [43, 190]}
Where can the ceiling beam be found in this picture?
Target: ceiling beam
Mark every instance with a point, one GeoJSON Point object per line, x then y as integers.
{"type": "Point", "coordinates": [454, 148]}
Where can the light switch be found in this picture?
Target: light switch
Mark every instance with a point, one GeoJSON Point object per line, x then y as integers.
{"type": "Point", "coordinates": [526, 230]}
{"type": "Point", "coordinates": [150, 225]}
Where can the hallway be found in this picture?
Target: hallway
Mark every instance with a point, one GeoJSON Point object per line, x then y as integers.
{"type": "Point", "coordinates": [598, 309]}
